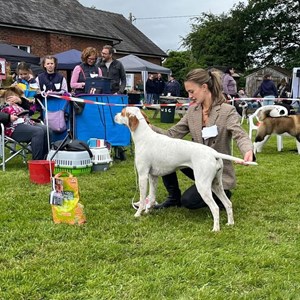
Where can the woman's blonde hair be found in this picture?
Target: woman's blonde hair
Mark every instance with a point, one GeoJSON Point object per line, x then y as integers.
{"type": "Point", "coordinates": [213, 81]}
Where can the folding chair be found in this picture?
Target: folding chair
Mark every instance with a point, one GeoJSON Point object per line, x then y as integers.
{"type": "Point", "coordinates": [13, 147]}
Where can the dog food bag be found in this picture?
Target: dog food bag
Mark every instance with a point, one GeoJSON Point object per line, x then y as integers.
{"type": "Point", "coordinates": [64, 200]}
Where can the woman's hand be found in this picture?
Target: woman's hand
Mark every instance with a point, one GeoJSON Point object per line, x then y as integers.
{"type": "Point", "coordinates": [248, 156]}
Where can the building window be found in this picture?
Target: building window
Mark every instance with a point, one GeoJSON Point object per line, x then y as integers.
{"type": "Point", "coordinates": [22, 47]}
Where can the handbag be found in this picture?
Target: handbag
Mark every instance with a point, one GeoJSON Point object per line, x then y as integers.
{"type": "Point", "coordinates": [56, 120]}
{"type": "Point", "coordinates": [64, 199]}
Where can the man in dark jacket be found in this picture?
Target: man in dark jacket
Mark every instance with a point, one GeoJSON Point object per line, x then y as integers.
{"type": "Point", "coordinates": [112, 69]}
{"type": "Point", "coordinates": [159, 87]}
{"type": "Point", "coordinates": [267, 90]}
{"type": "Point", "coordinates": [172, 87]}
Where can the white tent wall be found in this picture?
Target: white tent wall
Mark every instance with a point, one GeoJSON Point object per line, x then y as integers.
{"type": "Point", "coordinates": [144, 78]}
{"type": "Point", "coordinates": [296, 87]}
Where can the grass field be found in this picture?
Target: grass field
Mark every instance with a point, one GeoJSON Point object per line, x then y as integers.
{"type": "Point", "coordinates": [169, 254]}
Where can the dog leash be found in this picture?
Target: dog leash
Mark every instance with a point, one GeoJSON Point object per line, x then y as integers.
{"type": "Point", "coordinates": [135, 205]}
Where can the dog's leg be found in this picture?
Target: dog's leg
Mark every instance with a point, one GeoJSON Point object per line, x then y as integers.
{"type": "Point", "coordinates": [298, 143]}
{"type": "Point", "coordinates": [143, 186]}
{"type": "Point", "coordinates": [259, 143]}
{"type": "Point", "coordinates": [217, 188]}
{"type": "Point", "coordinates": [204, 189]}
{"type": "Point", "coordinates": [153, 180]}
{"type": "Point", "coordinates": [244, 115]}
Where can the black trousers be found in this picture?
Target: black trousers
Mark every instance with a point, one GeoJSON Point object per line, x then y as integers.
{"type": "Point", "coordinates": [191, 199]}
{"type": "Point", "coordinates": [37, 135]}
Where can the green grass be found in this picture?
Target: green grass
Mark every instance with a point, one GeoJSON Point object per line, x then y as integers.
{"type": "Point", "coordinates": [169, 254]}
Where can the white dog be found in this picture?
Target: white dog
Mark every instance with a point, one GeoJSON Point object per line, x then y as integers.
{"type": "Point", "coordinates": [158, 155]}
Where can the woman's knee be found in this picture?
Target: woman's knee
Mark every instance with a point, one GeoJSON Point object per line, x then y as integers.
{"type": "Point", "coordinates": [38, 131]}
{"type": "Point", "coordinates": [191, 199]}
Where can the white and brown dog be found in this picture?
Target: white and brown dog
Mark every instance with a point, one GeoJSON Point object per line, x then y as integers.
{"type": "Point", "coordinates": [269, 125]}
{"type": "Point", "coordinates": [158, 155]}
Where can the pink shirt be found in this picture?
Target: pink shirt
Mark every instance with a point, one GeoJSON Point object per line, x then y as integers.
{"type": "Point", "coordinates": [75, 76]}
{"type": "Point", "coordinates": [11, 110]}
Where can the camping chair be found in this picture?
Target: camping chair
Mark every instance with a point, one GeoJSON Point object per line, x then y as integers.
{"type": "Point", "coordinates": [277, 111]}
{"type": "Point", "coordinates": [10, 148]}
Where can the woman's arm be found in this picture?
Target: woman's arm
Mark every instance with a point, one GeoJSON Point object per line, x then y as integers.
{"type": "Point", "coordinates": [100, 72]}
{"type": "Point", "coordinates": [241, 137]}
{"type": "Point", "coordinates": [75, 77]}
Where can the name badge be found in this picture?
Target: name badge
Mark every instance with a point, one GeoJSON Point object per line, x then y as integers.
{"type": "Point", "coordinates": [208, 132]}
{"type": "Point", "coordinates": [57, 86]}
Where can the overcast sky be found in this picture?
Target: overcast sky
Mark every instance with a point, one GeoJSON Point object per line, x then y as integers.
{"type": "Point", "coordinates": [169, 20]}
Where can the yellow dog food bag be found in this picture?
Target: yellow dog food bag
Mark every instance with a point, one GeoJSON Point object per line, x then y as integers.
{"type": "Point", "coordinates": [64, 200]}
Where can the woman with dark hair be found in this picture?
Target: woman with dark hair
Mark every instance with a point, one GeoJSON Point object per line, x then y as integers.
{"type": "Point", "coordinates": [284, 92]}
{"type": "Point", "coordinates": [212, 122]}
{"type": "Point", "coordinates": [229, 84]}
{"type": "Point", "coordinates": [85, 70]}
{"type": "Point", "coordinates": [230, 88]}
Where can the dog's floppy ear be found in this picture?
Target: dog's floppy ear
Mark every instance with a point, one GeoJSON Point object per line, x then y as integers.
{"type": "Point", "coordinates": [146, 117]}
{"type": "Point", "coordinates": [133, 121]}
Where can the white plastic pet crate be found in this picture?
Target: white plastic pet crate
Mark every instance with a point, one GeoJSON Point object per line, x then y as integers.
{"type": "Point", "coordinates": [101, 159]}
{"type": "Point", "coordinates": [75, 162]}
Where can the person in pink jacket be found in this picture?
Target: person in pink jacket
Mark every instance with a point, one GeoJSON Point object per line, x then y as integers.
{"type": "Point", "coordinates": [85, 70]}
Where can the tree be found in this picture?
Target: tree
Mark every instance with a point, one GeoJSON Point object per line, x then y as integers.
{"type": "Point", "coordinates": [273, 31]}
{"type": "Point", "coordinates": [264, 32]}
{"type": "Point", "coordinates": [180, 62]}
{"type": "Point", "coordinates": [218, 40]}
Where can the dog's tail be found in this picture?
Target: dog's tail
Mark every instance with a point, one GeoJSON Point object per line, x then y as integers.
{"type": "Point", "coordinates": [235, 159]}
{"type": "Point", "coordinates": [265, 113]}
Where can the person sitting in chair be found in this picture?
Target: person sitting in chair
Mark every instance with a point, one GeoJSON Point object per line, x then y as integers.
{"type": "Point", "coordinates": [20, 127]}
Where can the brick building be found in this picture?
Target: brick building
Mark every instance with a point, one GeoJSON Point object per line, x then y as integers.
{"type": "Point", "coordinates": [44, 27]}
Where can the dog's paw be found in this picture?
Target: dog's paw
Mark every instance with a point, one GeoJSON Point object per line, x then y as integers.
{"type": "Point", "coordinates": [216, 228]}
{"type": "Point", "coordinates": [138, 214]}
{"type": "Point", "coordinates": [230, 223]}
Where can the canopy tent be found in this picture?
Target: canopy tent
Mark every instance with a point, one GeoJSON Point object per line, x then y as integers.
{"type": "Point", "coordinates": [13, 54]}
{"type": "Point", "coordinates": [67, 60]}
{"type": "Point", "coordinates": [135, 64]}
